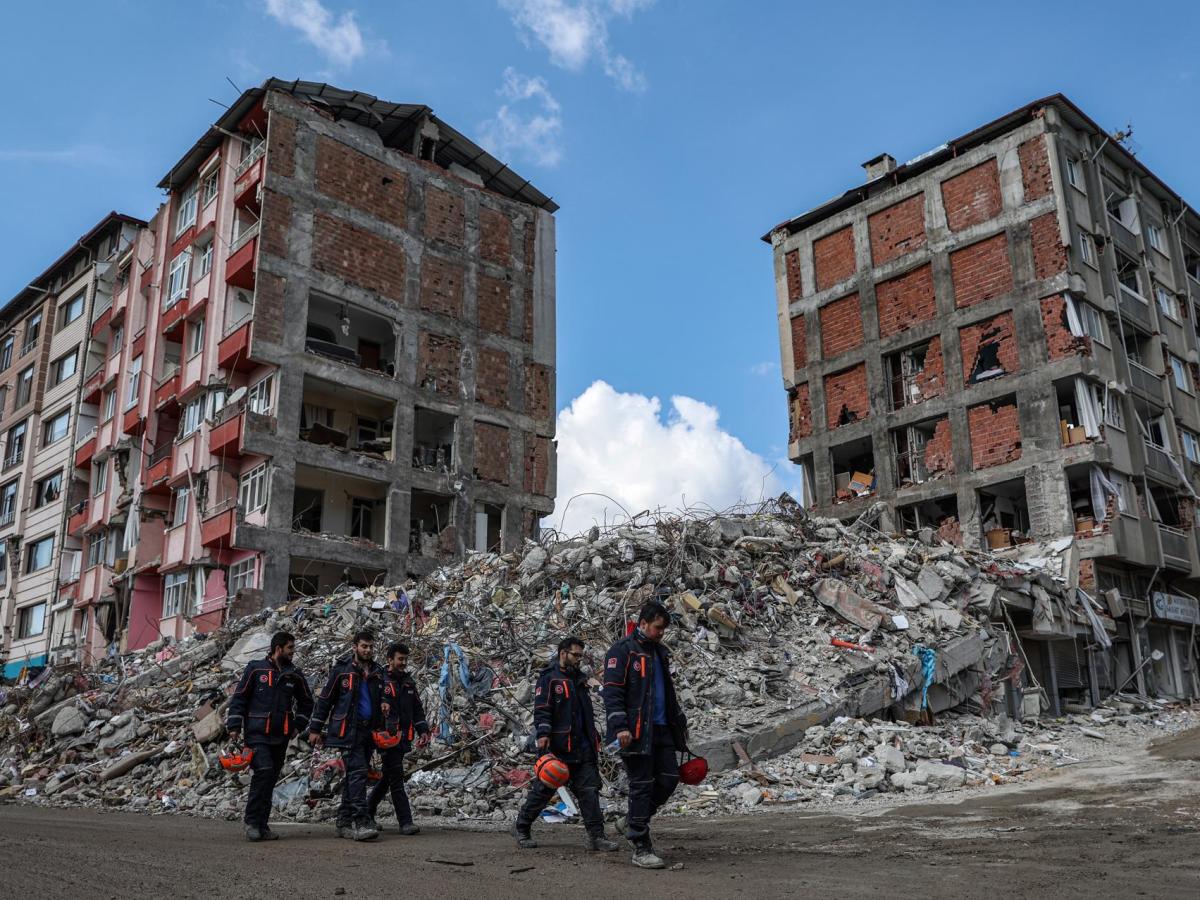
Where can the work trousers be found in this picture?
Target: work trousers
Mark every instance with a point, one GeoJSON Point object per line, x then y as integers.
{"type": "Point", "coordinates": [357, 759]}
{"type": "Point", "coordinates": [393, 780]}
{"type": "Point", "coordinates": [584, 784]}
{"type": "Point", "coordinates": [653, 777]}
{"type": "Point", "coordinates": [265, 768]}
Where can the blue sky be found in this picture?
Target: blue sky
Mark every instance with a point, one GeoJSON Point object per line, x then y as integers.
{"type": "Point", "coordinates": [673, 134]}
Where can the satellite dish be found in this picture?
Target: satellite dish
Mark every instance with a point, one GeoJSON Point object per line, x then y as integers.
{"type": "Point", "coordinates": [236, 396]}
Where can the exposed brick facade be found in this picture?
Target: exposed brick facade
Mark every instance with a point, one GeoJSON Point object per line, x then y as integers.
{"type": "Point", "coordinates": [833, 258]}
{"type": "Point", "coordinates": [846, 397]}
{"type": "Point", "coordinates": [537, 390]}
{"type": "Point", "coordinates": [939, 451]}
{"type": "Point", "coordinates": [358, 256]}
{"type": "Point", "coordinates": [799, 413]}
{"type": "Point", "coordinates": [791, 264]}
{"type": "Point", "coordinates": [281, 144]}
{"type": "Point", "coordinates": [905, 301]}
{"type": "Point", "coordinates": [537, 464]}
{"type": "Point", "coordinates": [493, 304]}
{"type": "Point", "coordinates": [897, 230]}
{"type": "Point", "coordinates": [987, 346]}
{"type": "Point", "coordinates": [972, 196]}
{"type": "Point", "coordinates": [981, 271]}
{"type": "Point", "coordinates": [491, 378]}
{"type": "Point", "coordinates": [275, 223]}
{"type": "Point", "coordinates": [357, 180]}
{"type": "Point", "coordinates": [799, 344]}
{"type": "Point", "coordinates": [841, 326]}
{"type": "Point", "coordinates": [530, 243]}
{"type": "Point", "coordinates": [445, 217]}
{"type": "Point", "coordinates": [995, 430]}
{"type": "Point", "coordinates": [931, 381]}
{"type": "Point", "coordinates": [441, 286]}
{"type": "Point", "coordinates": [1060, 343]}
{"type": "Point", "coordinates": [491, 452]}
{"type": "Point", "coordinates": [437, 363]}
{"type": "Point", "coordinates": [1049, 254]}
{"type": "Point", "coordinates": [1087, 574]}
{"type": "Point", "coordinates": [1035, 168]}
{"type": "Point", "coordinates": [495, 237]}
{"type": "Point", "coordinates": [268, 307]}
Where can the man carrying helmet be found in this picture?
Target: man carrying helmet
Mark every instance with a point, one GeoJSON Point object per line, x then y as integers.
{"type": "Point", "coordinates": [271, 703]}
{"type": "Point", "coordinates": [348, 711]}
{"type": "Point", "coordinates": [403, 719]}
{"type": "Point", "coordinates": [565, 727]}
{"type": "Point", "coordinates": [645, 719]}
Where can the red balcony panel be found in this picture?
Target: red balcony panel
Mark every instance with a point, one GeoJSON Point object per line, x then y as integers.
{"type": "Point", "coordinates": [226, 438]}
{"type": "Point", "coordinates": [85, 452]}
{"type": "Point", "coordinates": [147, 278]}
{"type": "Point", "coordinates": [77, 521]}
{"type": "Point", "coordinates": [102, 321]}
{"type": "Point", "coordinates": [172, 319]}
{"type": "Point", "coordinates": [158, 473]}
{"type": "Point", "coordinates": [217, 530]}
{"type": "Point", "coordinates": [133, 423]}
{"type": "Point", "coordinates": [239, 270]}
{"type": "Point", "coordinates": [245, 188]}
{"type": "Point", "coordinates": [196, 304]}
{"type": "Point", "coordinates": [93, 386]}
{"type": "Point", "coordinates": [139, 344]}
{"type": "Point", "coordinates": [167, 390]}
{"type": "Point", "coordinates": [233, 353]}
{"type": "Point", "coordinates": [183, 241]}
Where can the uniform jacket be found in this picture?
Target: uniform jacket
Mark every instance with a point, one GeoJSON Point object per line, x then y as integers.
{"type": "Point", "coordinates": [270, 704]}
{"type": "Point", "coordinates": [629, 688]}
{"type": "Point", "coordinates": [404, 711]}
{"type": "Point", "coordinates": [336, 712]}
{"type": "Point", "coordinates": [555, 699]}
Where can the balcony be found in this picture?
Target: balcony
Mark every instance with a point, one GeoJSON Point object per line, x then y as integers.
{"type": "Point", "coordinates": [1123, 236]}
{"type": "Point", "coordinates": [248, 177]}
{"type": "Point", "coordinates": [173, 316]}
{"type": "Point", "coordinates": [102, 322]}
{"type": "Point", "coordinates": [167, 388]}
{"type": "Point", "coordinates": [1146, 382]}
{"type": "Point", "coordinates": [1158, 461]}
{"type": "Point", "coordinates": [93, 384]}
{"type": "Point", "coordinates": [217, 528]}
{"type": "Point", "coordinates": [85, 448]}
{"type": "Point", "coordinates": [8, 516]}
{"type": "Point", "coordinates": [133, 422]}
{"type": "Point", "coordinates": [225, 439]}
{"type": "Point", "coordinates": [1136, 308]}
{"type": "Point", "coordinates": [1176, 547]}
{"type": "Point", "coordinates": [251, 159]}
{"type": "Point", "coordinates": [239, 269]}
{"type": "Point", "coordinates": [78, 518]}
{"type": "Point", "coordinates": [233, 353]}
{"type": "Point", "coordinates": [158, 467]}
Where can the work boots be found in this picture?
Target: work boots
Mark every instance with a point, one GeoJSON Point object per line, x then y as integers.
{"type": "Point", "coordinates": [345, 830]}
{"type": "Point", "coordinates": [524, 839]}
{"type": "Point", "coordinates": [601, 843]}
{"type": "Point", "coordinates": [364, 830]}
{"type": "Point", "coordinates": [253, 833]}
{"type": "Point", "coordinates": [409, 828]}
{"type": "Point", "coordinates": [644, 857]}
{"type": "Point", "coordinates": [268, 834]}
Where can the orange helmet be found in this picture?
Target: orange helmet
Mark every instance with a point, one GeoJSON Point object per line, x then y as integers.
{"type": "Point", "coordinates": [551, 771]}
{"type": "Point", "coordinates": [236, 762]}
{"type": "Point", "coordinates": [386, 740]}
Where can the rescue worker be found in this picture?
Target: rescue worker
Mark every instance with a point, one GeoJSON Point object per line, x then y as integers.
{"type": "Point", "coordinates": [565, 725]}
{"type": "Point", "coordinates": [645, 719]}
{"type": "Point", "coordinates": [347, 711]}
{"type": "Point", "coordinates": [271, 704]}
{"type": "Point", "coordinates": [402, 716]}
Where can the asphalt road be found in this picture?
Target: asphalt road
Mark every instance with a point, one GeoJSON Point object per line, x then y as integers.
{"type": "Point", "coordinates": [1126, 828]}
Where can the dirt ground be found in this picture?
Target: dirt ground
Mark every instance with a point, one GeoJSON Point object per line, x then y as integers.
{"type": "Point", "coordinates": [1123, 827]}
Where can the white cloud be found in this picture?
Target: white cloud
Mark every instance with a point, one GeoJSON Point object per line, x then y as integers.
{"type": "Point", "coordinates": [339, 39]}
{"type": "Point", "coordinates": [621, 445]}
{"type": "Point", "coordinates": [84, 154]}
{"type": "Point", "coordinates": [528, 124]}
{"type": "Point", "coordinates": [576, 31]}
{"type": "Point", "coordinates": [764, 368]}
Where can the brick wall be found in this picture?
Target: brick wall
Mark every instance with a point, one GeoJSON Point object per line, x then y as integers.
{"type": "Point", "coordinates": [445, 218]}
{"type": "Point", "coordinates": [1035, 168]}
{"type": "Point", "coordinates": [493, 304]}
{"type": "Point", "coordinates": [1060, 343]}
{"type": "Point", "coordinates": [491, 452]}
{"type": "Point", "coordinates": [268, 307]}
{"type": "Point", "coordinates": [491, 378]}
{"type": "Point", "coordinates": [981, 271]}
{"type": "Point", "coordinates": [275, 223]}
{"type": "Point", "coordinates": [357, 180]}
{"type": "Point", "coordinates": [905, 301]}
{"type": "Point", "coordinates": [530, 244]}
{"type": "Point", "coordinates": [1087, 574]}
{"type": "Point", "coordinates": [791, 264]}
{"type": "Point", "coordinates": [537, 390]}
{"type": "Point", "coordinates": [799, 345]}
{"type": "Point", "coordinates": [495, 237]}
{"type": "Point", "coordinates": [995, 430]}
{"type": "Point", "coordinates": [833, 258]}
{"type": "Point", "coordinates": [441, 286]}
{"type": "Point", "coordinates": [846, 398]}
{"type": "Point", "coordinates": [841, 326]}
{"type": "Point", "coordinates": [939, 451]}
{"type": "Point", "coordinates": [799, 413]}
{"type": "Point", "coordinates": [537, 464]}
{"type": "Point", "coordinates": [931, 381]}
{"type": "Point", "coordinates": [972, 196]}
{"type": "Point", "coordinates": [897, 230]}
{"type": "Point", "coordinates": [1049, 254]}
{"type": "Point", "coordinates": [437, 363]}
{"type": "Point", "coordinates": [987, 345]}
{"type": "Point", "coordinates": [358, 256]}
{"type": "Point", "coordinates": [281, 144]}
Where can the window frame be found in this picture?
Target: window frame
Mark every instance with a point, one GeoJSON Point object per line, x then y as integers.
{"type": "Point", "coordinates": [99, 478]}
{"type": "Point", "coordinates": [211, 177]}
{"type": "Point", "coordinates": [175, 585]}
{"type": "Point", "coordinates": [26, 613]}
{"type": "Point", "coordinates": [24, 387]}
{"type": "Point", "coordinates": [1191, 445]}
{"type": "Point", "coordinates": [1156, 238]}
{"type": "Point", "coordinates": [81, 299]}
{"type": "Point", "coordinates": [189, 205]}
{"type": "Point", "coordinates": [31, 555]}
{"type": "Point", "coordinates": [195, 328]}
{"type": "Point", "coordinates": [1075, 175]}
{"type": "Point", "coordinates": [187, 427]}
{"type": "Point", "coordinates": [34, 324]}
{"type": "Point", "coordinates": [240, 578]}
{"type": "Point", "coordinates": [1087, 249]}
{"type": "Point", "coordinates": [254, 393]}
{"type": "Point", "coordinates": [39, 489]}
{"type": "Point", "coordinates": [63, 415]}
{"type": "Point", "coordinates": [108, 404]}
{"type": "Point", "coordinates": [134, 384]}
{"type": "Point", "coordinates": [23, 428]}
{"type": "Point", "coordinates": [180, 501]}
{"type": "Point", "coordinates": [1088, 313]}
{"type": "Point", "coordinates": [6, 352]}
{"type": "Point", "coordinates": [56, 367]}
{"type": "Point", "coordinates": [253, 487]}
{"type": "Point", "coordinates": [1179, 368]}
{"type": "Point", "coordinates": [178, 283]}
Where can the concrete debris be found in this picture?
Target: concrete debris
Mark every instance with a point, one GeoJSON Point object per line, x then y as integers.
{"type": "Point", "coordinates": [820, 651]}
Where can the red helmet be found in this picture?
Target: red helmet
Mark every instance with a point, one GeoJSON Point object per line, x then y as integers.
{"type": "Point", "coordinates": [551, 771]}
{"type": "Point", "coordinates": [236, 762]}
{"type": "Point", "coordinates": [386, 740]}
{"type": "Point", "coordinates": [694, 770]}
{"type": "Point", "coordinates": [374, 775]}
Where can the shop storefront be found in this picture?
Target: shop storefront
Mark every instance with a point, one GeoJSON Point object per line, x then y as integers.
{"type": "Point", "coordinates": [1171, 631]}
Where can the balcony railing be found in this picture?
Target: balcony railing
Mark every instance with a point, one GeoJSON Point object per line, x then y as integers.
{"type": "Point", "coordinates": [7, 517]}
{"type": "Point", "coordinates": [161, 452]}
{"type": "Point", "coordinates": [91, 433]}
{"type": "Point", "coordinates": [1176, 545]}
{"type": "Point", "coordinates": [1136, 307]}
{"type": "Point", "coordinates": [1145, 380]}
{"type": "Point", "coordinates": [1158, 459]}
{"type": "Point", "coordinates": [246, 235]}
{"type": "Point", "coordinates": [251, 158]}
{"type": "Point", "coordinates": [14, 459]}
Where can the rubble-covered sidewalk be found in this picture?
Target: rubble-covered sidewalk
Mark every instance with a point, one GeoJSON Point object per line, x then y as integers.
{"type": "Point", "coordinates": [811, 658]}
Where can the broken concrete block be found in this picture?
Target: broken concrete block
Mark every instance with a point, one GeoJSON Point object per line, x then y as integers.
{"type": "Point", "coordinates": [891, 758]}
{"type": "Point", "coordinates": [209, 728]}
{"type": "Point", "coordinates": [941, 775]}
{"type": "Point", "coordinates": [68, 721]}
{"type": "Point", "coordinates": [248, 647]}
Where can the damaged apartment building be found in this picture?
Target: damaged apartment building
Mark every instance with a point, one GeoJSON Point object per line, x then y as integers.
{"type": "Point", "coordinates": [328, 360]}
{"type": "Point", "coordinates": [999, 341]}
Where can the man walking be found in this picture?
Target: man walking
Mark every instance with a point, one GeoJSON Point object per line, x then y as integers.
{"type": "Point", "coordinates": [404, 718]}
{"type": "Point", "coordinates": [271, 703]}
{"type": "Point", "coordinates": [348, 710]}
{"type": "Point", "coordinates": [645, 719]}
{"type": "Point", "coordinates": [565, 726]}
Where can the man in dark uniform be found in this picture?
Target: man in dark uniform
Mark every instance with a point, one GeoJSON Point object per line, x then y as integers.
{"type": "Point", "coordinates": [645, 719]}
{"type": "Point", "coordinates": [348, 710]}
{"type": "Point", "coordinates": [404, 717]}
{"type": "Point", "coordinates": [565, 726]}
{"type": "Point", "coordinates": [271, 703]}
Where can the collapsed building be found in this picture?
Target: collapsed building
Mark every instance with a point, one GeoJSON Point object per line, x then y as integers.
{"type": "Point", "coordinates": [998, 340]}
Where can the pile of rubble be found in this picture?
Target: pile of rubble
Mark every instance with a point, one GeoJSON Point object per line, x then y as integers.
{"type": "Point", "coordinates": [790, 631]}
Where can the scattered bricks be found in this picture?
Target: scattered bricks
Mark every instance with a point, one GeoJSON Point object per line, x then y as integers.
{"type": "Point", "coordinates": [897, 230]}
{"type": "Point", "coordinates": [841, 326]}
{"type": "Point", "coordinates": [351, 177]}
{"type": "Point", "coordinates": [358, 256]}
{"type": "Point", "coordinates": [939, 451]}
{"type": "Point", "coordinates": [950, 530]}
{"type": "Point", "coordinates": [972, 196]}
{"type": "Point", "coordinates": [275, 223]}
{"type": "Point", "coordinates": [441, 286]}
{"type": "Point", "coordinates": [1049, 254]}
{"type": "Point", "coordinates": [905, 301]}
{"type": "Point", "coordinates": [445, 219]}
{"type": "Point", "coordinates": [791, 262]}
{"type": "Point", "coordinates": [1060, 342]}
{"type": "Point", "coordinates": [989, 349]}
{"type": "Point", "coordinates": [268, 307]}
{"type": "Point", "coordinates": [931, 380]}
{"type": "Point", "coordinates": [537, 464]}
{"type": "Point", "coordinates": [981, 271]}
{"type": "Point", "coordinates": [492, 304]}
{"type": "Point", "coordinates": [491, 378]}
{"type": "Point", "coordinates": [799, 344]}
{"type": "Point", "coordinates": [846, 398]}
{"type": "Point", "coordinates": [437, 363]}
{"type": "Point", "coordinates": [1035, 168]}
{"type": "Point", "coordinates": [833, 259]}
{"type": "Point", "coordinates": [281, 144]}
{"type": "Point", "coordinates": [491, 452]}
{"type": "Point", "coordinates": [799, 413]}
{"type": "Point", "coordinates": [1087, 574]}
{"type": "Point", "coordinates": [495, 237]}
{"type": "Point", "coordinates": [537, 390]}
{"type": "Point", "coordinates": [995, 430]}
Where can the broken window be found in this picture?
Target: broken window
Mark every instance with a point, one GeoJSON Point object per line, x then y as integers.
{"type": "Point", "coordinates": [489, 522]}
{"type": "Point", "coordinates": [1079, 408]}
{"type": "Point", "coordinates": [430, 523]}
{"type": "Point", "coordinates": [992, 356]}
{"type": "Point", "coordinates": [914, 374]}
{"type": "Point", "coordinates": [1004, 514]}
{"type": "Point", "coordinates": [307, 504]}
{"type": "Point", "coordinates": [335, 415]}
{"type": "Point", "coordinates": [349, 334]}
{"type": "Point", "coordinates": [1129, 276]}
{"type": "Point", "coordinates": [433, 439]}
{"type": "Point", "coordinates": [941, 514]}
{"type": "Point", "coordinates": [923, 451]}
{"type": "Point", "coordinates": [853, 470]}
{"type": "Point", "coordinates": [362, 518]}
